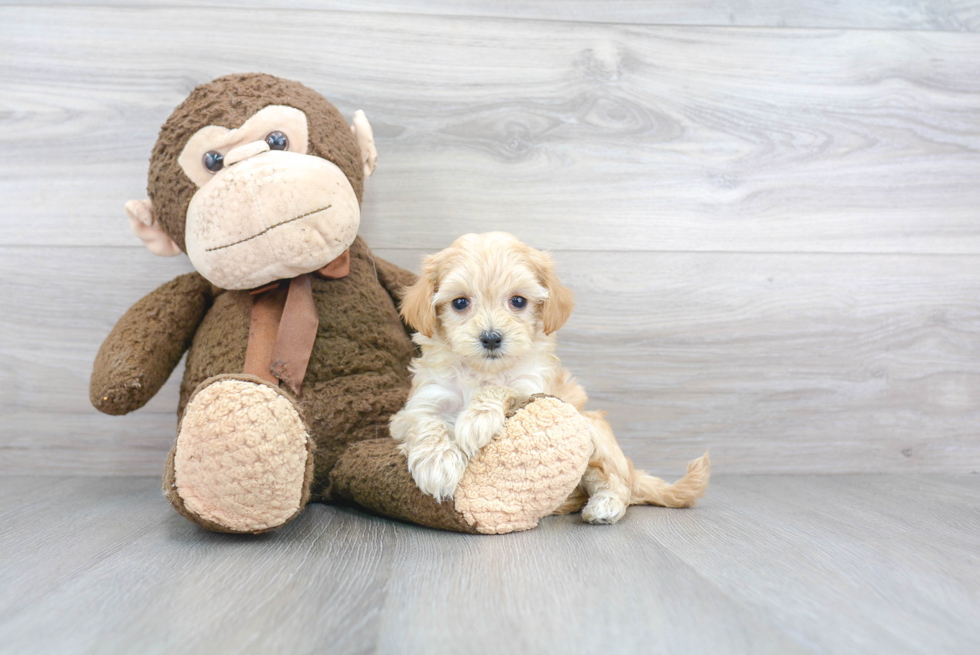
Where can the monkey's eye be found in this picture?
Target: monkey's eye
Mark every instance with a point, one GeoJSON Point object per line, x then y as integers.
{"type": "Point", "coordinates": [214, 161]}
{"type": "Point", "coordinates": [277, 141]}
{"type": "Point", "coordinates": [518, 302]}
{"type": "Point", "coordinates": [459, 304]}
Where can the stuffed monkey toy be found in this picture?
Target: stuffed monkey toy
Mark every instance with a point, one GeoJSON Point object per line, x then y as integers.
{"type": "Point", "coordinates": [296, 355]}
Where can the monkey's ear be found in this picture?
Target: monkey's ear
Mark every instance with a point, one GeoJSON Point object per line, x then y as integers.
{"type": "Point", "coordinates": [365, 141]}
{"type": "Point", "coordinates": [146, 227]}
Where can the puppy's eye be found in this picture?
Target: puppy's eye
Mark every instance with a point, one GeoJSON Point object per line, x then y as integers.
{"type": "Point", "coordinates": [518, 302]}
{"type": "Point", "coordinates": [277, 141]}
{"type": "Point", "coordinates": [459, 304]}
{"type": "Point", "coordinates": [214, 161]}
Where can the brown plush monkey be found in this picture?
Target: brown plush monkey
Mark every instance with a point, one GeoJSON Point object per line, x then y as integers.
{"type": "Point", "coordinates": [296, 354]}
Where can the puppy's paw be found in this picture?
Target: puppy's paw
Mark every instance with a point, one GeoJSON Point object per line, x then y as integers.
{"type": "Point", "coordinates": [603, 507]}
{"type": "Point", "coordinates": [476, 427]}
{"type": "Point", "coordinates": [437, 466]}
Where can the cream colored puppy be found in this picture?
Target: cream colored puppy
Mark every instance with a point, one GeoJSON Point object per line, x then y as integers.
{"type": "Point", "coordinates": [485, 310]}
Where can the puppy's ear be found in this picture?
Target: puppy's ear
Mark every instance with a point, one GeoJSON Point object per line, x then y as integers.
{"type": "Point", "coordinates": [418, 306]}
{"type": "Point", "coordinates": [557, 308]}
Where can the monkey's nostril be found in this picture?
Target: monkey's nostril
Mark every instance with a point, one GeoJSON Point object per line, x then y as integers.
{"type": "Point", "coordinates": [491, 339]}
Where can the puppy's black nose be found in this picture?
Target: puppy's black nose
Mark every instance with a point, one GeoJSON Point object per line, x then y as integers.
{"type": "Point", "coordinates": [491, 339]}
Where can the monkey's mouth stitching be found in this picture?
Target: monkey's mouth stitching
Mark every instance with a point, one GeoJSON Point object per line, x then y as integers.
{"type": "Point", "coordinates": [271, 227]}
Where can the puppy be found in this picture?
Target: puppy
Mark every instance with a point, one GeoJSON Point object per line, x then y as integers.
{"type": "Point", "coordinates": [486, 309]}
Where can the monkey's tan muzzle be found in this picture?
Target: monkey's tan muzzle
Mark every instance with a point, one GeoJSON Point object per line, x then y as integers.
{"type": "Point", "coordinates": [274, 215]}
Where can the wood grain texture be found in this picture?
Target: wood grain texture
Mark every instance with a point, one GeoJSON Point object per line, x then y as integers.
{"type": "Point", "coordinates": [774, 237]}
{"type": "Point", "coordinates": [773, 233]}
{"type": "Point", "coordinates": [563, 588]}
{"type": "Point", "coordinates": [946, 15]}
{"type": "Point", "coordinates": [881, 564]}
{"type": "Point", "coordinates": [574, 135]}
{"type": "Point", "coordinates": [773, 362]}
{"type": "Point", "coordinates": [317, 584]}
{"type": "Point", "coordinates": [67, 526]}
{"type": "Point", "coordinates": [872, 566]}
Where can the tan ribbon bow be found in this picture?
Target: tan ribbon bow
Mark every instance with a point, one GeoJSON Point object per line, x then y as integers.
{"type": "Point", "coordinates": [284, 324]}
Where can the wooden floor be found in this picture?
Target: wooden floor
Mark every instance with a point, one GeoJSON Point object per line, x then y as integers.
{"type": "Point", "coordinates": [767, 564]}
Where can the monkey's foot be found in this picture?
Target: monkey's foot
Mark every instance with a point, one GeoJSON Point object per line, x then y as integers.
{"type": "Point", "coordinates": [526, 472]}
{"type": "Point", "coordinates": [243, 458]}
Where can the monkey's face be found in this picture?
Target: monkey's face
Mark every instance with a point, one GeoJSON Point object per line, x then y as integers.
{"type": "Point", "coordinates": [264, 209]}
{"type": "Point", "coordinates": [257, 179]}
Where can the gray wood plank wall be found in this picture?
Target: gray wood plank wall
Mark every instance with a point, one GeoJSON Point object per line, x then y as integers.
{"type": "Point", "coordinates": [773, 228]}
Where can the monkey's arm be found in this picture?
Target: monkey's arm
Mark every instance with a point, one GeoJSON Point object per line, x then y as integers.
{"type": "Point", "coordinates": [147, 343]}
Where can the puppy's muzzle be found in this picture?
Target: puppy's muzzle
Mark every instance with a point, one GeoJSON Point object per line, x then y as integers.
{"type": "Point", "coordinates": [491, 340]}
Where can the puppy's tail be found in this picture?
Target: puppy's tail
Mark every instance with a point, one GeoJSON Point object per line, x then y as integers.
{"type": "Point", "coordinates": [648, 490]}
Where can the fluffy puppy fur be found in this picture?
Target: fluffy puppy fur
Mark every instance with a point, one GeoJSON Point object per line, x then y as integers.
{"type": "Point", "coordinates": [486, 309]}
